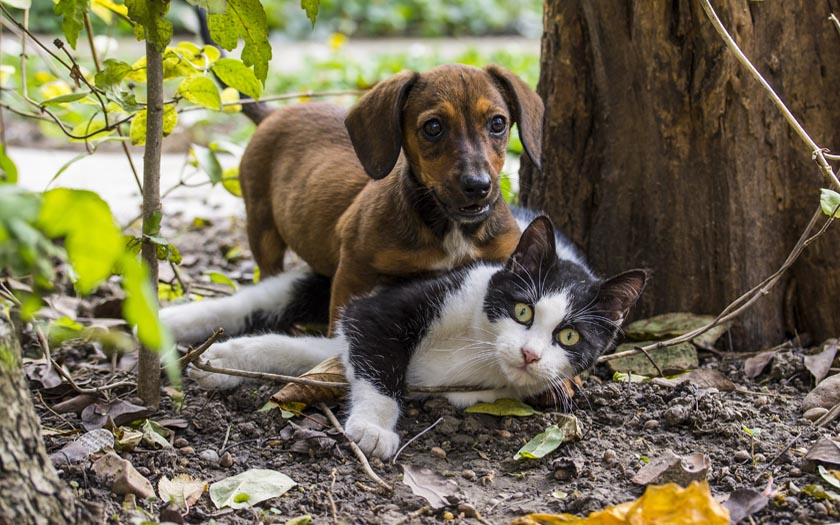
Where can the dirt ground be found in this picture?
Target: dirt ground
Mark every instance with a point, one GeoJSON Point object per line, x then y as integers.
{"type": "Point", "coordinates": [624, 424]}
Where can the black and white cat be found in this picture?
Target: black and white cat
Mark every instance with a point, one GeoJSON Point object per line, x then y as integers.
{"type": "Point", "coordinates": [515, 330]}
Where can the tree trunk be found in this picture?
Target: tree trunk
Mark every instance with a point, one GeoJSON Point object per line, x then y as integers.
{"type": "Point", "coordinates": [660, 151]}
{"type": "Point", "coordinates": [30, 491]}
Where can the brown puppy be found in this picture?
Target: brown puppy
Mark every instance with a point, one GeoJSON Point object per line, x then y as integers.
{"type": "Point", "coordinates": [407, 182]}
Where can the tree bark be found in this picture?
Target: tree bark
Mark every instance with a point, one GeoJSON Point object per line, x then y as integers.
{"type": "Point", "coordinates": [660, 151]}
{"type": "Point", "coordinates": [30, 490]}
{"type": "Point", "coordinates": [148, 366]}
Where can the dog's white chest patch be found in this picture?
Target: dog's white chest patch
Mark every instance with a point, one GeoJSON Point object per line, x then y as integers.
{"type": "Point", "coordinates": [458, 248]}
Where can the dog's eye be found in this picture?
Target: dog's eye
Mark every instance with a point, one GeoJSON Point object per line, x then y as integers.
{"type": "Point", "coordinates": [498, 125]}
{"type": "Point", "coordinates": [432, 128]}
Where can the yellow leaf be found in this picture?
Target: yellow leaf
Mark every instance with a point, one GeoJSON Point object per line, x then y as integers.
{"type": "Point", "coordinates": [229, 94]}
{"type": "Point", "coordinates": [230, 181]}
{"type": "Point", "coordinates": [42, 77]}
{"type": "Point", "coordinates": [337, 40]}
{"type": "Point", "coordinates": [663, 505]}
{"type": "Point", "coordinates": [55, 89]}
{"type": "Point", "coordinates": [138, 70]}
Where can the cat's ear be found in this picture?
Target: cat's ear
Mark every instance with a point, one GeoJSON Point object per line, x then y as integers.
{"type": "Point", "coordinates": [618, 294]}
{"type": "Point", "coordinates": [536, 249]}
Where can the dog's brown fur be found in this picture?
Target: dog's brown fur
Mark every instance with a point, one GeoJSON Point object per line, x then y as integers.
{"type": "Point", "coordinates": [315, 178]}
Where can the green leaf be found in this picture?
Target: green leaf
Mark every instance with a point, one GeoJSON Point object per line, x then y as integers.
{"type": "Point", "coordinates": [201, 90]}
{"type": "Point", "coordinates": [257, 484]}
{"type": "Point", "coordinates": [155, 435]}
{"type": "Point", "coordinates": [8, 170]}
{"type": "Point", "coordinates": [311, 8]}
{"type": "Point", "coordinates": [140, 309]}
{"type": "Point", "coordinates": [63, 99]}
{"type": "Point", "coordinates": [92, 238]}
{"type": "Point", "coordinates": [237, 75]}
{"type": "Point", "coordinates": [220, 278]}
{"type": "Point", "coordinates": [211, 6]}
{"type": "Point", "coordinates": [18, 4]}
{"type": "Point", "coordinates": [113, 72]}
{"type": "Point", "coordinates": [503, 407]}
{"type": "Point", "coordinates": [151, 24]}
{"type": "Point", "coordinates": [209, 163]}
{"type": "Point", "coordinates": [137, 130]}
{"type": "Point", "coordinates": [829, 201]}
{"type": "Point", "coordinates": [830, 476]}
{"type": "Point", "coordinates": [542, 444]}
{"type": "Point", "coordinates": [73, 13]}
{"type": "Point", "coordinates": [245, 19]}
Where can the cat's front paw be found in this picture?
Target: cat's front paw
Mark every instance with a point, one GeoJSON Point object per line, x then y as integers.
{"type": "Point", "coordinates": [188, 322]}
{"type": "Point", "coordinates": [372, 438]}
{"type": "Point", "coordinates": [222, 355]}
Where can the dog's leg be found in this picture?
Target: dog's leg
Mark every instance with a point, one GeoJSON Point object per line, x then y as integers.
{"type": "Point", "coordinates": [272, 353]}
{"type": "Point", "coordinates": [275, 303]}
{"type": "Point", "coordinates": [347, 283]}
{"type": "Point", "coordinates": [267, 246]}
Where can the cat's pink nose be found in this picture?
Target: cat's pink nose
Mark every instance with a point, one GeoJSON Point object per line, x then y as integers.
{"type": "Point", "coordinates": [529, 356]}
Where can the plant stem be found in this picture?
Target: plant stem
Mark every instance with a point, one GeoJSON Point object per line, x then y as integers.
{"type": "Point", "coordinates": [148, 370]}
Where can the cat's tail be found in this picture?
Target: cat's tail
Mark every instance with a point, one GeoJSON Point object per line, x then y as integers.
{"type": "Point", "coordinates": [273, 305]}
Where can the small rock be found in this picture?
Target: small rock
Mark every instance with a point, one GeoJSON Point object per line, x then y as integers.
{"type": "Point", "coordinates": [503, 434]}
{"type": "Point", "coordinates": [187, 451]}
{"type": "Point", "coordinates": [122, 476]}
{"type": "Point", "coordinates": [761, 401]}
{"type": "Point", "coordinates": [742, 455]}
{"type": "Point", "coordinates": [467, 510]}
{"type": "Point", "coordinates": [448, 516]}
{"type": "Point", "coordinates": [183, 462]}
{"type": "Point", "coordinates": [468, 474]}
{"type": "Point", "coordinates": [226, 460]}
{"type": "Point", "coordinates": [412, 412]}
{"type": "Point", "coordinates": [813, 414]}
{"type": "Point", "coordinates": [676, 415]}
{"type": "Point", "coordinates": [448, 426]}
{"type": "Point", "coordinates": [651, 424]}
{"type": "Point", "coordinates": [209, 455]}
{"type": "Point", "coordinates": [819, 508]}
{"type": "Point", "coordinates": [180, 443]}
{"type": "Point", "coordinates": [760, 458]}
{"type": "Point", "coordinates": [249, 428]}
{"type": "Point", "coordinates": [438, 452]}
{"type": "Point", "coordinates": [795, 472]}
{"type": "Point", "coordinates": [825, 395]}
{"type": "Point", "coordinates": [610, 456]}
{"type": "Point", "coordinates": [669, 467]}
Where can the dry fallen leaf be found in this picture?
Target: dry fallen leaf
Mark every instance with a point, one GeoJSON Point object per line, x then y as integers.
{"type": "Point", "coordinates": [183, 490]}
{"type": "Point", "coordinates": [820, 363]}
{"type": "Point", "coordinates": [743, 503]}
{"type": "Point", "coordinates": [825, 451]}
{"type": "Point", "coordinates": [330, 370]}
{"type": "Point", "coordinates": [753, 366]}
{"type": "Point", "coordinates": [122, 412]}
{"type": "Point", "coordinates": [87, 444]}
{"type": "Point", "coordinates": [431, 486]}
{"type": "Point", "coordinates": [663, 505]}
{"type": "Point", "coordinates": [671, 468]}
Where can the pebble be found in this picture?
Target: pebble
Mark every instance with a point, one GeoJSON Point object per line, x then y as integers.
{"type": "Point", "coordinates": [742, 455]}
{"type": "Point", "coordinates": [819, 508]}
{"type": "Point", "coordinates": [468, 474]}
{"type": "Point", "coordinates": [187, 451]}
{"type": "Point", "coordinates": [467, 510]}
{"type": "Point", "coordinates": [503, 434]}
{"type": "Point", "coordinates": [825, 395]}
{"type": "Point", "coordinates": [210, 456]}
{"type": "Point", "coordinates": [760, 458]}
{"type": "Point", "coordinates": [438, 452]}
{"type": "Point", "coordinates": [226, 460]}
{"type": "Point", "coordinates": [651, 424]}
{"type": "Point", "coordinates": [610, 456]}
{"type": "Point", "coordinates": [180, 443]}
{"type": "Point", "coordinates": [249, 428]}
{"type": "Point", "coordinates": [813, 414]}
{"type": "Point", "coordinates": [795, 472]}
{"type": "Point", "coordinates": [183, 462]}
{"type": "Point", "coordinates": [412, 412]}
{"type": "Point", "coordinates": [448, 426]}
{"type": "Point", "coordinates": [676, 415]}
{"type": "Point", "coordinates": [448, 516]}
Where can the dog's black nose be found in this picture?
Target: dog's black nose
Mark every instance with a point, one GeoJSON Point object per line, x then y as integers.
{"type": "Point", "coordinates": [475, 186]}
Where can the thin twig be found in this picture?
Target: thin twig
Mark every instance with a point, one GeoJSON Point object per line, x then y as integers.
{"type": "Point", "coordinates": [416, 514]}
{"type": "Point", "coordinates": [333, 510]}
{"type": "Point", "coordinates": [196, 352]}
{"type": "Point", "coordinates": [278, 378]}
{"type": "Point", "coordinates": [410, 441]}
{"type": "Point", "coordinates": [355, 448]}
{"type": "Point", "coordinates": [227, 436]}
{"type": "Point", "coordinates": [650, 358]}
{"type": "Point", "coordinates": [94, 390]}
{"type": "Point", "coordinates": [284, 96]}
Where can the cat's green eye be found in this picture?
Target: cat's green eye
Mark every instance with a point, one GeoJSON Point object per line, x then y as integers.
{"type": "Point", "coordinates": [523, 313]}
{"type": "Point", "coordinates": [567, 337]}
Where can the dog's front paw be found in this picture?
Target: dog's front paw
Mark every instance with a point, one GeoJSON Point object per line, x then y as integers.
{"type": "Point", "coordinates": [222, 355]}
{"type": "Point", "coordinates": [372, 438]}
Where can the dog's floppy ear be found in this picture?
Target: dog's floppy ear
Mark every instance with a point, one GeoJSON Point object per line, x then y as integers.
{"type": "Point", "coordinates": [375, 124]}
{"type": "Point", "coordinates": [527, 108]}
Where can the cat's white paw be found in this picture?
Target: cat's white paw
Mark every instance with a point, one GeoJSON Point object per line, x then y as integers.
{"type": "Point", "coordinates": [372, 439]}
{"type": "Point", "coordinates": [222, 355]}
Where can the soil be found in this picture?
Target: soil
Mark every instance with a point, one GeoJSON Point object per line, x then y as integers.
{"type": "Point", "coordinates": [624, 425]}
